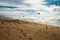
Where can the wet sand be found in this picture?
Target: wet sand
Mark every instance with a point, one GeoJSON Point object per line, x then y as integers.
{"type": "Point", "coordinates": [23, 30]}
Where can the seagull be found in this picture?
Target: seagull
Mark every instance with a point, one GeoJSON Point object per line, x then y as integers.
{"type": "Point", "coordinates": [56, 4]}
{"type": "Point", "coordinates": [38, 13]}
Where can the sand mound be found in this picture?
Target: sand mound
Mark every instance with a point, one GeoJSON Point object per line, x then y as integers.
{"type": "Point", "coordinates": [22, 30]}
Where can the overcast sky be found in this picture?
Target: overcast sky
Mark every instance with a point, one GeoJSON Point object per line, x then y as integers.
{"type": "Point", "coordinates": [29, 9]}
{"type": "Point", "coordinates": [29, 5]}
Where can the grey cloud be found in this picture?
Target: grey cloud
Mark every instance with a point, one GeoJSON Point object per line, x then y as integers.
{"type": "Point", "coordinates": [7, 7]}
{"type": "Point", "coordinates": [15, 2]}
{"type": "Point", "coordinates": [12, 1]}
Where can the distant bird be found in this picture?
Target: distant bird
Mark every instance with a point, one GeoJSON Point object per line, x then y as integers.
{"type": "Point", "coordinates": [56, 4]}
{"type": "Point", "coordinates": [38, 13]}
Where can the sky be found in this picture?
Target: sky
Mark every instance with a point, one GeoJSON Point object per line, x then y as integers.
{"type": "Point", "coordinates": [29, 9]}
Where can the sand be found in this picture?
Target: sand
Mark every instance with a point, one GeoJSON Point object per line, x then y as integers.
{"type": "Point", "coordinates": [23, 30]}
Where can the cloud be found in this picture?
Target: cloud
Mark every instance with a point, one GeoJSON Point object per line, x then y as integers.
{"type": "Point", "coordinates": [7, 7]}
{"type": "Point", "coordinates": [52, 2]}
{"type": "Point", "coordinates": [12, 1]}
{"type": "Point", "coordinates": [29, 9]}
{"type": "Point", "coordinates": [27, 6]}
{"type": "Point", "coordinates": [33, 1]}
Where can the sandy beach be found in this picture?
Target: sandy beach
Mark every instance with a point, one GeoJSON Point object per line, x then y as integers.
{"type": "Point", "coordinates": [23, 30]}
